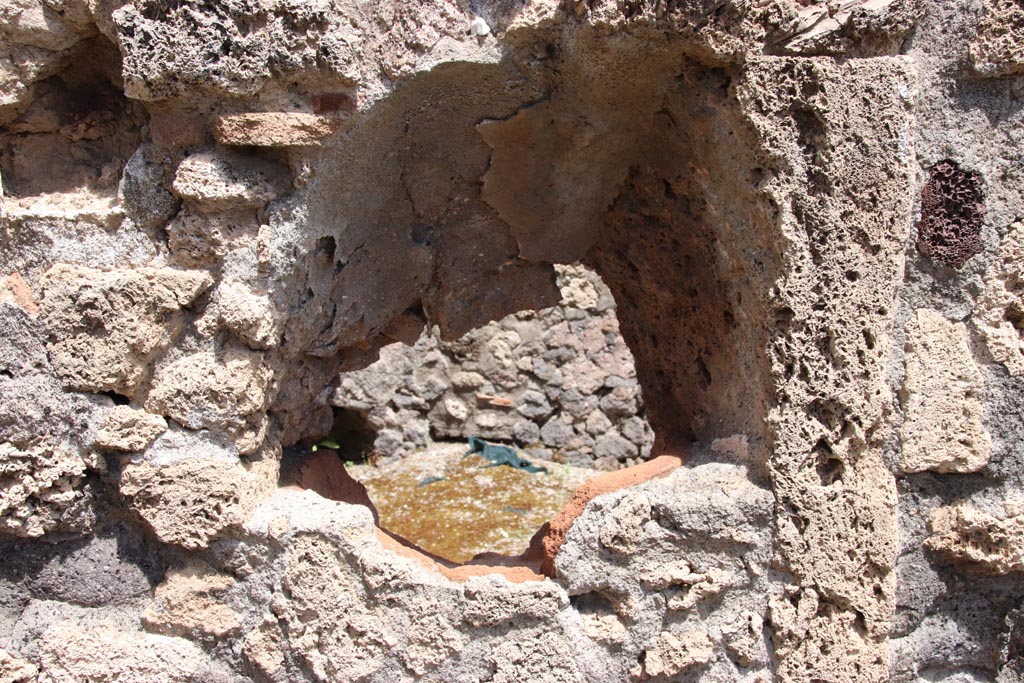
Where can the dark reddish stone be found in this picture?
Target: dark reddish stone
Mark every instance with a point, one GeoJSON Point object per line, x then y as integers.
{"type": "Point", "coordinates": [952, 210]}
{"type": "Point", "coordinates": [324, 103]}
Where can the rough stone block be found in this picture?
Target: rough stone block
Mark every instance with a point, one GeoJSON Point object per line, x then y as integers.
{"type": "Point", "coordinates": [71, 654]}
{"type": "Point", "coordinates": [107, 326]}
{"type": "Point", "coordinates": [942, 429]}
{"type": "Point", "coordinates": [226, 391]}
{"type": "Point", "coordinates": [39, 490]}
{"type": "Point", "coordinates": [998, 47]}
{"type": "Point", "coordinates": [191, 501]}
{"type": "Point", "coordinates": [189, 603]}
{"type": "Point", "coordinates": [129, 429]}
{"type": "Point", "coordinates": [964, 535]}
{"type": "Point", "coordinates": [999, 313]}
{"type": "Point", "coordinates": [219, 181]}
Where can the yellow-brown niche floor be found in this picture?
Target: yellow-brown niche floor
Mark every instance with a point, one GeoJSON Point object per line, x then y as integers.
{"type": "Point", "coordinates": [469, 509]}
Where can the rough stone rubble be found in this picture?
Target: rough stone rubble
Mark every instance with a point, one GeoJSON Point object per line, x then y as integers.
{"type": "Point", "coordinates": [809, 214]}
{"type": "Point", "coordinates": [559, 383]}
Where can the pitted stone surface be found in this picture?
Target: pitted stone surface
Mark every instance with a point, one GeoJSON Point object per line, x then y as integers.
{"type": "Point", "coordinates": [106, 327]}
{"type": "Point", "coordinates": [129, 429]}
{"type": "Point", "coordinates": [942, 429]}
{"type": "Point", "coordinates": [39, 489]}
{"type": "Point", "coordinates": [743, 176]}
{"type": "Point", "coordinates": [998, 48]}
{"type": "Point", "coordinates": [999, 315]}
{"type": "Point", "coordinates": [225, 390]}
{"type": "Point", "coordinates": [217, 181]}
{"type": "Point", "coordinates": [990, 544]}
{"type": "Point", "coordinates": [952, 211]}
{"type": "Point", "coordinates": [191, 501]}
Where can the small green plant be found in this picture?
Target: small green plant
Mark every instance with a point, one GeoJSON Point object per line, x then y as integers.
{"type": "Point", "coordinates": [326, 442]}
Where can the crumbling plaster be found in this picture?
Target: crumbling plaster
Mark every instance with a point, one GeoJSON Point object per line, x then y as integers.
{"type": "Point", "coordinates": [285, 188]}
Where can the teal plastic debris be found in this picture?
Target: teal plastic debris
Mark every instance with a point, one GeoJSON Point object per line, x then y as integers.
{"type": "Point", "coordinates": [500, 455]}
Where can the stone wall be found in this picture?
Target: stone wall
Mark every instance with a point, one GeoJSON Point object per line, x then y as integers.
{"type": "Point", "coordinates": [809, 214]}
{"type": "Point", "coordinates": [558, 382]}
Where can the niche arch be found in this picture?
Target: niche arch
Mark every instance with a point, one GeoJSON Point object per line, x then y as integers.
{"type": "Point", "coordinates": [449, 202]}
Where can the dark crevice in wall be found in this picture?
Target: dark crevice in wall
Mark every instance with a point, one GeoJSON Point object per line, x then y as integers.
{"type": "Point", "coordinates": [79, 130]}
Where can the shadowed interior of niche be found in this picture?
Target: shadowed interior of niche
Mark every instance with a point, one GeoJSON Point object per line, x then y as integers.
{"type": "Point", "coordinates": [653, 181]}
{"type": "Point", "coordinates": [78, 131]}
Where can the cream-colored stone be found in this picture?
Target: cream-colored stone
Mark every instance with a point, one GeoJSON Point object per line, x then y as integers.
{"type": "Point", "coordinates": [189, 604]}
{"type": "Point", "coordinates": [999, 313]}
{"type": "Point", "coordinates": [998, 47]}
{"type": "Point", "coordinates": [275, 129]}
{"type": "Point", "coordinates": [107, 326]}
{"type": "Point", "coordinates": [38, 486]}
{"type": "Point", "coordinates": [227, 391]}
{"type": "Point", "coordinates": [830, 350]}
{"type": "Point", "coordinates": [69, 653]}
{"type": "Point", "coordinates": [744, 639]}
{"type": "Point", "coordinates": [129, 429]}
{"type": "Point", "coordinates": [217, 181]}
{"type": "Point", "coordinates": [576, 289]}
{"type": "Point", "coordinates": [200, 240]}
{"type": "Point", "coordinates": [607, 628]}
{"type": "Point", "coordinates": [16, 670]}
{"type": "Point", "coordinates": [539, 659]}
{"type": "Point", "coordinates": [191, 501]}
{"type": "Point", "coordinates": [962, 534]}
{"type": "Point", "coordinates": [674, 653]}
{"type": "Point", "coordinates": [942, 429]}
{"type": "Point", "coordinates": [330, 623]}
{"type": "Point", "coordinates": [248, 314]}
{"type": "Point", "coordinates": [700, 587]}
{"type": "Point", "coordinates": [659, 577]}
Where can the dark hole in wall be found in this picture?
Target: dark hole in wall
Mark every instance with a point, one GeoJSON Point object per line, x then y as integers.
{"type": "Point", "coordinates": [952, 211]}
{"type": "Point", "coordinates": [79, 130]}
{"type": "Point", "coordinates": [353, 435]}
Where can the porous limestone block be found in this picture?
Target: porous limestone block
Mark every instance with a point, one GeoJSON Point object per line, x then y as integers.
{"type": "Point", "coordinates": [248, 314]}
{"type": "Point", "coordinates": [493, 600]}
{"type": "Point", "coordinates": [221, 181]}
{"type": "Point", "coordinates": [942, 390]}
{"type": "Point", "coordinates": [226, 391]}
{"type": "Point", "coordinates": [199, 240]}
{"type": "Point", "coordinates": [335, 629]}
{"type": "Point", "coordinates": [105, 327]}
{"type": "Point", "coordinates": [674, 653]}
{"type": "Point", "coordinates": [189, 603]}
{"type": "Point", "coordinates": [998, 47]}
{"type": "Point", "coordinates": [537, 657]}
{"type": "Point", "coordinates": [262, 647]}
{"type": "Point", "coordinates": [191, 501]}
{"type": "Point", "coordinates": [39, 490]}
{"type": "Point", "coordinates": [129, 429]}
{"type": "Point", "coordinates": [999, 312]}
{"type": "Point", "coordinates": [16, 670]}
{"type": "Point", "coordinates": [965, 535]}
{"type": "Point", "coordinates": [72, 654]}
{"type": "Point", "coordinates": [275, 129]}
